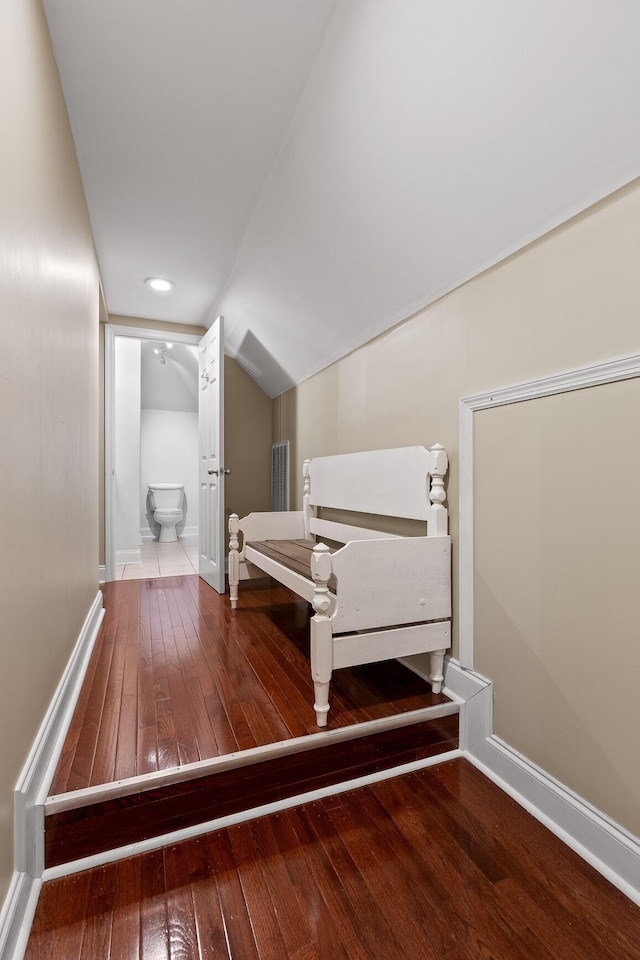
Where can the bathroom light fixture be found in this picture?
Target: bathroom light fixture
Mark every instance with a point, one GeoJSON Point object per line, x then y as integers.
{"type": "Point", "coordinates": [159, 284]}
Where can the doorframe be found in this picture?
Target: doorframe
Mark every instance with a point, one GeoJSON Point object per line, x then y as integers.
{"type": "Point", "coordinates": [111, 331]}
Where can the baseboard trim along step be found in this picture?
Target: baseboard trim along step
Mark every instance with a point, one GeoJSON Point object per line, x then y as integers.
{"type": "Point", "coordinates": [81, 827]}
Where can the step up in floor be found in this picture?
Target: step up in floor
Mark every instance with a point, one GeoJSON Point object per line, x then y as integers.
{"type": "Point", "coordinates": [90, 822]}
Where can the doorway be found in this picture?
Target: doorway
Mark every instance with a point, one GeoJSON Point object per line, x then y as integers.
{"type": "Point", "coordinates": [151, 436]}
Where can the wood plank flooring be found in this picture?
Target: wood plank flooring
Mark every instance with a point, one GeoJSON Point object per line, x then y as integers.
{"type": "Point", "coordinates": [91, 828]}
{"type": "Point", "coordinates": [177, 677]}
{"type": "Point", "coordinates": [437, 865]}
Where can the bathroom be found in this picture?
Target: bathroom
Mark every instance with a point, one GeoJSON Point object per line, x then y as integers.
{"type": "Point", "coordinates": [156, 442]}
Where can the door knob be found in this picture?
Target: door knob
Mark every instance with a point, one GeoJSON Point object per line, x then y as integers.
{"type": "Point", "coordinates": [212, 473]}
{"type": "Point", "coordinates": [226, 472]}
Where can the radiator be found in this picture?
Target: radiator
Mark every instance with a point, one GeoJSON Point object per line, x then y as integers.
{"type": "Point", "coordinates": [280, 475]}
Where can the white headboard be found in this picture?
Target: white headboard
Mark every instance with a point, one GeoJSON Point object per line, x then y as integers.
{"type": "Point", "coordinates": [402, 482]}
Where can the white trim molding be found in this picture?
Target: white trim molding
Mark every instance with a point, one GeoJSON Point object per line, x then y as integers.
{"type": "Point", "coordinates": [471, 691]}
{"type": "Point", "coordinates": [35, 779]}
{"type": "Point", "coordinates": [128, 556]}
{"type": "Point", "coordinates": [276, 806]}
{"type": "Point", "coordinates": [625, 368]}
{"type": "Point", "coordinates": [609, 848]}
{"type": "Point", "coordinates": [31, 792]}
{"type": "Point", "coordinates": [16, 916]}
{"type": "Point", "coordinates": [613, 851]}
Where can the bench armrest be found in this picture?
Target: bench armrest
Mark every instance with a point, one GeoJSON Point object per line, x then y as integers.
{"type": "Point", "coordinates": [285, 525]}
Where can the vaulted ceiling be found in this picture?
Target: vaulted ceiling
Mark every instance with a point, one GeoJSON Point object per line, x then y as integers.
{"type": "Point", "coordinates": [317, 170]}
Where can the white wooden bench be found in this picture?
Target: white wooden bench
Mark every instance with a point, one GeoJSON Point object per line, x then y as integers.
{"type": "Point", "coordinates": [377, 597]}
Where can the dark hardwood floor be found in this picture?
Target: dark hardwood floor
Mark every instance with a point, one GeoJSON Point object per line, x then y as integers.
{"type": "Point", "coordinates": [436, 865]}
{"type": "Point", "coordinates": [177, 677]}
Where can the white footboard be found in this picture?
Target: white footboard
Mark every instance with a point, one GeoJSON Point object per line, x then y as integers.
{"type": "Point", "coordinates": [285, 525]}
{"type": "Point", "coordinates": [384, 583]}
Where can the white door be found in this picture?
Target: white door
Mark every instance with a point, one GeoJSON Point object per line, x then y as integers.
{"type": "Point", "coordinates": [212, 471]}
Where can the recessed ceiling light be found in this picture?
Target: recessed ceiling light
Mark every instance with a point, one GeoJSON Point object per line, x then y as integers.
{"type": "Point", "coordinates": [157, 283]}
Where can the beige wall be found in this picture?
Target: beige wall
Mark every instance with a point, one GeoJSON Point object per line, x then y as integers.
{"type": "Point", "coordinates": [556, 589]}
{"type": "Point", "coordinates": [162, 326]}
{"type": "Point", "coordinates": [49, 305]}
{"type": "Point", "coordinates": [247, 442]}
{"type": "Point", "coordinates": [567, 300]}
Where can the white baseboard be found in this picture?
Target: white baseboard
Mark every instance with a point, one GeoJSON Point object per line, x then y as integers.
{"type": "Point", "coordinates": [34, 781]}
{"type": "Point", "coordinates": [129, 556]}
{"type": "Point", "coordinates": [609, 848]}
{"type": "Point", "coordinates": [472, 691]}
{"type": "Point", "coordinates": [476, 709]}
{"type": "Point", "coordinates": [189, 533]}
{"type": "Point", "coordinates": [17, 915]}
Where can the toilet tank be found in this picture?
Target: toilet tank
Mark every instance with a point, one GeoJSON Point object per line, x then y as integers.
{"type": "Point", "coordinates": [166, 495]}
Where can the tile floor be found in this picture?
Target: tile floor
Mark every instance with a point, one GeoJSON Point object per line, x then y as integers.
{"type": "Point", "coordinates": [162, 560]}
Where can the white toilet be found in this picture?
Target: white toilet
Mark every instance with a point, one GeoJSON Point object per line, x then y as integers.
{"type": "Point", "coordinates": [166, 501]}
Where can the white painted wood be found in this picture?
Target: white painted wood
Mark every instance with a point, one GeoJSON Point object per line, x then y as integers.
{"type": "Point", "coordinates": [387, 582]}
{"type": "Point", "coordinates": [321, 636]}
{"type": "Point", "coordinates": [288, 525]}
{"type": "Point", "coordinates": [344, 532]}
{"type": "Point", "coordinates": [128, 556]}
{"type": "Point", "coordinates": [382, 580]}
{"type": "Point", "coordinates": [374, 646]}
{"type": "Point", "coordinates": [281, 525]}
{"type": "Point", "coordinates": [393, 483]}
{"type": "Point", "coordinates": [465, 538]}
{"type": "Point", "coordinates": [476, 711]}
{"type": "Point", "coordinates": [17, 915]}
{"type": "Point", "coordinates": [109, 452]}
{"type": "Point", "coordinates": [308, 511]}
{"type": "Point", "coordinates": [201, 768]}
{"type": "Point", "coordinates": [609, 848]}
{"type": "Point", "coordinates": [34, 781]}
{"type": "Point", "coordinates": [211, 468]}
{"type": "Point", "coordinates": [624, 368]}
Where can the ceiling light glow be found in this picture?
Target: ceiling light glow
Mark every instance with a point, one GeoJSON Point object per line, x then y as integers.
{"type": "Point", "coordinates": [159, 284]}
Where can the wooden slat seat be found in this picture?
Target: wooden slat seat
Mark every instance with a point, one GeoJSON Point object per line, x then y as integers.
{"type": "Point", "coordinates": [292, 554]}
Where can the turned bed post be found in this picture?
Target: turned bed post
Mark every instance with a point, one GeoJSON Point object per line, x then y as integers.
{"type": "Point", "coordinates": [307, 509]}
{"type": "Point", "coordinates": [321, 634]}
{"type": "Point", "coordinates": [438, 519]}
{"type": "Point", "coordinates": [234, 559]}
{"type": "Point", "coordinates": [436, 664]}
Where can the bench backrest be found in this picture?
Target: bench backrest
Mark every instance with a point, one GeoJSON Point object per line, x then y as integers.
{"type": "Point", "coordinates": [403, 482]}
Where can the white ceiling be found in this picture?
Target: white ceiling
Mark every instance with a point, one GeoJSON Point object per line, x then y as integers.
{"type": "Point", "coordinates": [172, 385]}
{"type": "Point", "coordinates": [317, 170]}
